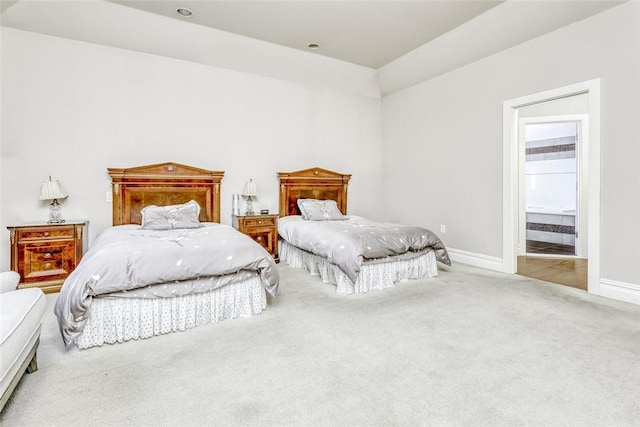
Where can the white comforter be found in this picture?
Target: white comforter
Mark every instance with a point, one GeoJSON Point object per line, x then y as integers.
{"type": "Point", "coordinates": [347, 243]}
{"type": "Point", "coordinates": [126, 258]}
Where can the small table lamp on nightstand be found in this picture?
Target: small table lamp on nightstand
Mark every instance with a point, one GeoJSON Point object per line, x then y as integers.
{"type": "Point", "coordinates": [250, 192]}
{"type": "Point", "coordinates": [53, 190]}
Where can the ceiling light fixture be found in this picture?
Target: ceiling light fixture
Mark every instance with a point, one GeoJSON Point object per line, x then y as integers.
{"type": "Point", "coordinates": [184, 12]}
{"type": "Point", "coordinates": [313, 46]}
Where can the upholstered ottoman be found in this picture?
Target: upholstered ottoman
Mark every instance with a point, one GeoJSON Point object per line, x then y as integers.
{"type": "Point", "coordinates": [21, 313]}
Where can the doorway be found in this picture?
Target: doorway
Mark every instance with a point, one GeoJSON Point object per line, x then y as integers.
{"type": "Point", "coordinates": [553, 178]}
{"type": "Point", "coordinates": [582, 261]}
{"type": "Point", "coordinates": [552, 208]}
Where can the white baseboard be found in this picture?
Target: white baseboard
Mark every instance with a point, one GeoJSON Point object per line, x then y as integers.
{"type": "Point", "coordinates": [627, 292]}
{"type": "Point", "coordinates": [477, 260]}
{"type": "Point", "coordinates": [621, 291]}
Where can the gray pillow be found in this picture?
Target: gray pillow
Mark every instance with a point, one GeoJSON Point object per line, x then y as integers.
{"type": "Point", "coordinates": [185, 215]}
{"type": "Point", "coordinates": [320, 210]}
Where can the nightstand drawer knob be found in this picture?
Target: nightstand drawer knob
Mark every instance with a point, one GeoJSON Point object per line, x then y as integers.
{"type": "Point", "coordinates": [259, 238]}
{"type": "Point", "coordinates": [47, 255]}
{"type": "Point", "coordinates": [47, 265]}
{"type": "Point", "coordinates": [46, 234]}
{"type": "Point", "coordinates": [259, 222]}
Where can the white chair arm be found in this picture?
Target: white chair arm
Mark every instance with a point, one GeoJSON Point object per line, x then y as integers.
{"type": "Point", "coordinates": [8, 281]}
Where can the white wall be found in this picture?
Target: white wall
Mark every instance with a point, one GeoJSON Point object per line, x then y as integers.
{"type": "Point", "coordinates": [72, 109]}
{"type": "Point", "coordinates": [550, 184]}
{"type": "Point", "coordinates": [444, 137]}
{"type": "Point", "coordinates": [539, 131]}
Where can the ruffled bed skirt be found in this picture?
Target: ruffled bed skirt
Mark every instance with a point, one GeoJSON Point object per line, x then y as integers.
{"type": "Point", "coordinates": [378, 274]}
{"type": "Point", "coordinates": [112, 320]}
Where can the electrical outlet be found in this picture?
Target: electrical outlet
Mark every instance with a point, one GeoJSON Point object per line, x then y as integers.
{"type": "Point", "coordinates": [109, 197]}
{"type": "Point", "coordinates": [443, 228]}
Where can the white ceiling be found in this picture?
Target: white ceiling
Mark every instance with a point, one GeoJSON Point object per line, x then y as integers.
{"type": "Point", "coordinates": [401, 42]}
{"type": "Point", "coordinates": [368, 33]}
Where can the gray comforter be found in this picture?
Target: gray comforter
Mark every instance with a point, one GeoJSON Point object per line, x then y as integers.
{"type": "Point", "coordinates": [127, 258]}
{"type": "Point", "coordinates": [348, 243]}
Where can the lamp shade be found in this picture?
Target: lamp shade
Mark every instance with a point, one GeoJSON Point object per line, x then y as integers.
{"type": "Point", "coordinates": [51, 190]}
{"type": "Point", "coordinates": [250, 189]}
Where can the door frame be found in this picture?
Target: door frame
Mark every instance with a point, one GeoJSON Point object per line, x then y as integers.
{"type": "Point", "coordinates": [510, 177]}
{"type": "Point", "coordinates": [582, 182]}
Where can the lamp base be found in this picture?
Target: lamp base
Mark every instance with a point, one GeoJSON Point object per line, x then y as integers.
{"type": "Point", "coordinates": [249, 206]}
{"type": "Point", "coordinates": [55, 212]}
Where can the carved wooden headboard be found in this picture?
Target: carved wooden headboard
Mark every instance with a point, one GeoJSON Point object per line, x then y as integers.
{"type": "Point", "coordinates": [314, 183]}
{"type": "Point", "coordinates": [161, 185]}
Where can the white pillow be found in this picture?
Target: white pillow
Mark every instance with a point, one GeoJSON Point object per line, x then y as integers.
{"type": "Point", "coordinates": [185, 215]}
{"type": "Point", "coordinates": [320, 210]}
{"type": "Point", "coordinates": [8, 281]}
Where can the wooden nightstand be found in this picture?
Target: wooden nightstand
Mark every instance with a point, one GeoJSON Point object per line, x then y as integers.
{"type": "Point", "coordinates": [261, 228]}
{"type": "Point", "coordinates": [45, 254]}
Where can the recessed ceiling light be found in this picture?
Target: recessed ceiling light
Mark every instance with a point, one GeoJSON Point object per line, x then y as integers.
{"type": "Point", "coordinates": [313, 46]}
{"type": "Point", "coordinates": [184, 12]}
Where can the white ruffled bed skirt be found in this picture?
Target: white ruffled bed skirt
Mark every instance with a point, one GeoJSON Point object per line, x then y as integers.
{"type": "Point", "coordinates": [112, 320]}
{"type": "Point", "coordinates": [376, 275]}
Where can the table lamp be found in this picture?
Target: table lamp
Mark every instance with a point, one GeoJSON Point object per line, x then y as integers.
{"type": "Point", "coordinates": [250, 192]}
{"type": "Point", "coordinates": [53, 190]}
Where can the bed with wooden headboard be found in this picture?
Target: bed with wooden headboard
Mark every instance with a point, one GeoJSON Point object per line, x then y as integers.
{"type": "Point", "coordinates": [314, 183]}
{"type": "Point", "coordinates": [138, 281]}
{"type": "Point", "coordinates": [312, 251]}
{"type": "Point", "coordinates": [161, 185]}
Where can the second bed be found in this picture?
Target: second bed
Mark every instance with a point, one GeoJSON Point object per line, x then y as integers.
{"type": "Point", "coordinates": [354, 253]}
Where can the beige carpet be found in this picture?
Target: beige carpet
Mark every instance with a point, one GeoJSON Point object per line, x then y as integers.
{"type": "Point", "coordinates": [469, 348]}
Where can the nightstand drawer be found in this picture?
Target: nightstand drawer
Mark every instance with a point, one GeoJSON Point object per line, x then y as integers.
{"type": "Point", "coordinates": [49, 233]}
{"type": "Point", "coordinates": [48, 259]}
{"type": "Point", "coordinates": [43, 268]}
{"type": "Point", "coordinates": [46, 254]}
{"type": "Point", "coordinates": [266, 239]}
{"type": "Point", "coordinates": [259, 222]}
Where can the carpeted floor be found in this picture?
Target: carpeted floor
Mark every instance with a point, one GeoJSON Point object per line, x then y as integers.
{"type": "Point", "coordinates": [469, 348]}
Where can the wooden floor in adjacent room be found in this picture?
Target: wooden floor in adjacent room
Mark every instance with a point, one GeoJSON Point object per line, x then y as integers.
{"type": "Point", "coordinates": [568, 271]}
